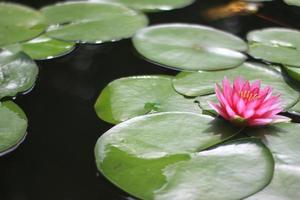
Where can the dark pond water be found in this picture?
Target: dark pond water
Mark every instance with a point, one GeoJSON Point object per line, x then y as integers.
{"type": "Point", "coordinates": [56, 161]}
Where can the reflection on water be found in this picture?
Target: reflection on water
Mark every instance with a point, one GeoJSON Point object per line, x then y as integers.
{"type": "Point", "coordinates": [233, 8]}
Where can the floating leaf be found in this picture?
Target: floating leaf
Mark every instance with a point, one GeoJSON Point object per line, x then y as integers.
{"type": "Point", "coordinates": [43, 47]}
{"type": "Point", "coordinates": [13, 123]}
{"type": "Point", "coordinates": [293, 2]}
{"type": "Point", "coordinates": [152, 5]}
{"type": "Point", "coordinates": [258, 0]}
{"type": "Point", "coordinates": [17, 73]}
{"type": "Point", "coordinates": [293, 72]}
{"type": "Point", "coordinates": [190, 47]}
{"type": "Point", "coordinates": [203, 102]}
{"type": "Point", "coordinates": [278, 45]}
{"type": "Point", "coordinates": [202, 83]}
{"type": "Point", "coordinates": [157, 157]}
{"type": "Point", "coordinates": [92, 22]}
{"type": "Point", "coordinates": [283, 141]}
{"type": "Point", "coordinates": [295, 108]}
{"type": "Point", "coordinates": [19, 23]}
{"type": "Point", "coordinates": [128, 97]}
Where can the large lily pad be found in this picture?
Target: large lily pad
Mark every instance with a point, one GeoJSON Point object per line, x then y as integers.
{"type": "Point", "coordinates": [128, 97]}
{"type": "Point", "coordinates": [163, 156]}
{"type": "Point", "coordinates": [190, 47]}
{"type": "Point", "coordinates": [43, 47]}
{"type": "Point", "coordinates": [293, 2]}
{"type": "Point", "coordinates": [202, 83]}
{"type": "Point", "coordinates": [19, 23]}
{"type": "Point", "coordinates": [152, 5]}
{"type": "Point", "coordinates": [283, 141]}
{"type": "Point", "coordinates": [13, 125]}
{"type": "Point", "coordinates": [92, 22]}
{"type": "Point", "coordinates": [17, 73]}
{"type": "Point", "coordinates": [278, 45]}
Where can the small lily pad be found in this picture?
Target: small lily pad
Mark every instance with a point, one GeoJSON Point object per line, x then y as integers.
{"type": "Point", "coordinates": [90, 22]}
{"type": "Point", "coordinates": [278, 45]}
{"type": "Point", "coordinates": [43, 47]}
{"type": "Point", "coordinates": [202, 83]}
{"type": "Point", "coordinates": [18, 73]}
{"type": "Point", "coordinates": [190, 47]}
{"type": "Point", "coordinates": [129, 97]}
{"type": "Point", "coordinates": [283, 141]}
{"type": "Point", "coordinates": [164, 156]}
{"type": "Point", "coordinates": [13, 125]}
{"type": "Point", "coordinates": [152, 5]}
{"type": "Point", "coordinates": [19, 23]}
{"type": "Point", "coordinates": [292, 2]}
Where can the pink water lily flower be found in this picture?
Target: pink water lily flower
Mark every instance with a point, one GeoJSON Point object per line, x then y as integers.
{"type": "Point", "coordinates": [247, 104]}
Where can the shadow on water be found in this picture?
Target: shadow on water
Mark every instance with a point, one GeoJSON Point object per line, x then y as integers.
{"type": "Point", "coordinates": [56, 160]}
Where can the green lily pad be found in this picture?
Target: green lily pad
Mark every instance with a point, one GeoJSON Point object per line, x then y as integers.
{"type": "Point", "coordinates": [19, 23]}
{"type": "Point", "coordinates": [152, 5]}
{"type": "Point", "coordinates": [190, 47]}
{"type": "Point", "coordinates": [283, 141]}
{"type": "Point", "coordinates": [90, 22]}
{"type": "Point", "coordinates": [293, 2]}
{"type": "Point", "coordinates": [13, 123]}
{"type": "Point", "coordinates": [293, 72]}
{"type": "Point", "coordinates": [164, 156]}
{"type": "Point", "coordinates": [295, 108]}
{"type": "Point", "coordinates": [17, 73]}
{"type": "Point", "coordinates": [258, 0]}
{"type": "Point", "coordinates": [202, 83]}
{"type": "Point", "coordinates": [129, 97]}
{"type": "Point", "coordinates": [278, 45]}
{"type": "Point", "coordinates": [43, 47]}
{"type": "Point", "coordinates": [203, 103]}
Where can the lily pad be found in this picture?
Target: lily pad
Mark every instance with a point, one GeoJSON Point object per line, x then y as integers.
{"type": "Point", "coordinates": [278, 45]}
{"type": "Point", "coordinates": [19, 23]}
{"type": "Point", "coordinates": [43, 47]}
{"type": "Point", "coordinates": [129, 97]}
{"type": "Point", "coordinates": [190, 47]}
{"type": "Point", "coordinates": [293, 2]}
{"type": "Point", "coordinates": [293, 72]}
{"type": "Point", "coordinates": [202, 83]}
{"type": "Point", "coordinates": [295, 108]}
{"type": "Point", "coordinates": [164, 156]}
{"type": "Point", "coordinates": [90, 22]}
{"type": "Point", "coordinates": [152, 5]}
{"type": "Point", "coordinates": [203, 103]}
{"type": "Point", "coordinates": [13, 123]}
{"type": "Point", "coordinates": [283, 141]}
{"type": "Point", "coordinates": [17, 73]}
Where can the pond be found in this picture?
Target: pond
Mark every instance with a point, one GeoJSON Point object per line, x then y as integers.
{"type": "Point", "coordinates": [56, 161]}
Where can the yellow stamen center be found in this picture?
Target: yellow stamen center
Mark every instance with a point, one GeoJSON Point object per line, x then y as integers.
{"type": "Point", "coordinates": [248, 95]}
